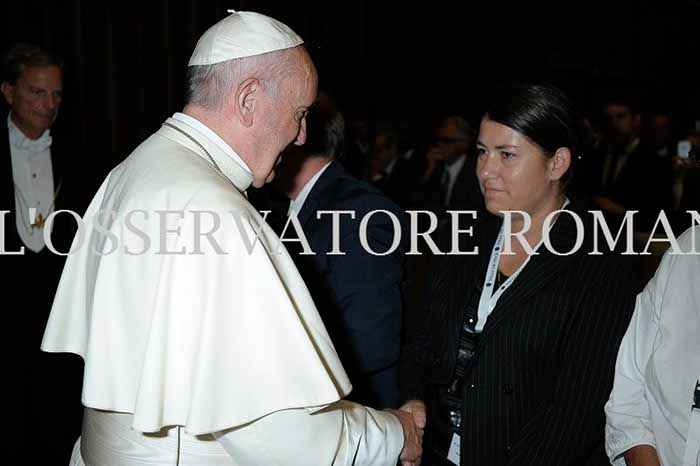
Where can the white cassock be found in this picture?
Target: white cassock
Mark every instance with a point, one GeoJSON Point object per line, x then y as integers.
{"type": "Point", "coordinates": [216, 356]}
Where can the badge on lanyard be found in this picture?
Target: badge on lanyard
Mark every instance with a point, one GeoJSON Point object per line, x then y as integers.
{"type": "Point", "coordinates": [454, 452]}
{"type": "Point", "coordinates": [490, 296]}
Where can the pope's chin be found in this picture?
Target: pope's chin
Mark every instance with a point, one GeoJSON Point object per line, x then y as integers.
{"type": "Point", "coordinates": [269, 178]}
{"type": "Point", "coordinates": [259, 182]}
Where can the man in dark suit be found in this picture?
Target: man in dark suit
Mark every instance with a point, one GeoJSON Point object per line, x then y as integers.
{"type": "Point", "coordinates": [449, 179]}
{"type": "Point", "coordinates": [630, 176]}
{"type": "Point", "coordinates": [358, 293]}
{"type": "Point", "coordinates": [447, 182]}
{"type": "Point", "coordinates": [395, 167]}
{"type": "Point", "coordinates": [43, 407]}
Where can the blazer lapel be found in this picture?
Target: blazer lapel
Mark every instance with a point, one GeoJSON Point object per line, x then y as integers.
{"type": "Point", "coordinates": [6, 179]}
{"type": "Point", "coordinates": [540, 270]}
{"type": "Point", "coordinates": [455, 293]}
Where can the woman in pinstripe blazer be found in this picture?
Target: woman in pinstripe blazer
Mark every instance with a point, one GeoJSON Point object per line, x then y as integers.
{"type": "Point", "coordinates": [516, 356]}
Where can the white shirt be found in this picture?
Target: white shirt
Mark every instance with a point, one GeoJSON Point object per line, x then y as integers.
{"type": "Point", "coordinates": [658, 365]}
{"type": "Point", "coordinates": [453, 172]}
{"type": "Point", "coordinates": [33, 177]}
{"type": "Point", "coordinates": [298, 202]}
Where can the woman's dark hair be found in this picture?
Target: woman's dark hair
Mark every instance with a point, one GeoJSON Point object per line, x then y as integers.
{"type": "Point", "coordinates": [543, 114]}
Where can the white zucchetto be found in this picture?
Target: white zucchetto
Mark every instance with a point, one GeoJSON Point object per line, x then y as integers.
{"type": "Point", "coordinates": [242, 34]}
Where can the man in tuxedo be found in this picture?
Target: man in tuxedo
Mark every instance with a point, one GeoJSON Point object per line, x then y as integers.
{"type": "Point", "coordinates": [357, 293]}
{"type": "Point", "coordinates": [35, 184]}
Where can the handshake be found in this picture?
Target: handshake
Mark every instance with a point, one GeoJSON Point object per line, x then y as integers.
{"type": "Point", "coordinates": [413, 418]}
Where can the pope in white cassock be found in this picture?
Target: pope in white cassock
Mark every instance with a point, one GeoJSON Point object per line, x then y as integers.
{"type": "Point", "coordinates": [201, 345]}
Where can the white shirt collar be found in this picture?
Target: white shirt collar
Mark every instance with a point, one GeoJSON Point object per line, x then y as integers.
{"type": "Point", "coordinates": [215, 138]}
{"type": "Point", "coordinates": [390, 166]}
{"type": "Point", "coordinates": [456, 166]}
{"type": "Point", "coordinates": [19, 140]}
{"type": "Point", "coordinates": [632, 145]}
{"type": "Point", "coordinates": [298, 202]}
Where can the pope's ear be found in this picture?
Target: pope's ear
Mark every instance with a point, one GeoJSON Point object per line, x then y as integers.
{"type": "Point", "coordinates": [245, 101]}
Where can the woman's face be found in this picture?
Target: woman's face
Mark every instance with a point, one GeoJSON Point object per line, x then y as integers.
{"type": "Point", "coordinates": [514, 173]}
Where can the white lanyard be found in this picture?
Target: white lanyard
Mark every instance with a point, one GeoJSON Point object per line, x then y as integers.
{"type": "Point", "coordinates": [489, 299]}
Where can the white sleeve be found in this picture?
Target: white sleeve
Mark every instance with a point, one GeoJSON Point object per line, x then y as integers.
{"type": "Point", "coordinates": [342, 434]}
{"type": "Point", "coordinates": [627, 411]}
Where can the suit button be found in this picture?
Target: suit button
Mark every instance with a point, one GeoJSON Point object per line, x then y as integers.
{"type": "Point", "coordinates": [507, 389]}
{"type": "Point", "coordinates": [507, 449]}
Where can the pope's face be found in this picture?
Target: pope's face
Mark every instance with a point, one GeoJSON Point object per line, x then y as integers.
{"type": "Point", "coordinates": [284, 122]}
{"type": "Point", "coordinates": [35, 98]}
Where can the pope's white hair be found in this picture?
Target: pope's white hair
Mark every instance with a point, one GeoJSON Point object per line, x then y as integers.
{"type": "Point", "coordinates": [208, 86]}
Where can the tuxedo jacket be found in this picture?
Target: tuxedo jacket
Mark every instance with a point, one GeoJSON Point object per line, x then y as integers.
{"type": "Point", "coordinates": [45, 403]}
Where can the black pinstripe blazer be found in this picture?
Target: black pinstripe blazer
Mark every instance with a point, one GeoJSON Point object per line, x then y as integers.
{"type": "Point", "coordinates": [543, 369]}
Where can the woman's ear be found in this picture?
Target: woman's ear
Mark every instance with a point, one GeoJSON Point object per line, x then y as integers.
{"type": "Point", "coordinates": [559, 164]}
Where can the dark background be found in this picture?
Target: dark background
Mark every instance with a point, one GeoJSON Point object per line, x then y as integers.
{"type": "Point", "coordinates": [126, 61]}
{"type": "Point", "coordinates": [403, 61]}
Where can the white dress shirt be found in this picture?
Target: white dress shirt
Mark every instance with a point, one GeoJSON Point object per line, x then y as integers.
{"type": "Point", "coordinates": [33, 177]}
{"type": "Point", "coordinates": [298, 202]}
{"type": "Point", "coordinates": [658, 365]}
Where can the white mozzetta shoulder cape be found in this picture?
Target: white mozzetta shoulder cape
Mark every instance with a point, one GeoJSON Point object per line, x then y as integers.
{"type": "Point", "coordinates": [210, 339]}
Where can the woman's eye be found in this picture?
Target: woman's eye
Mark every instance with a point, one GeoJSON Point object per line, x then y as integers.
{"type": "Point", "coordinates": [507, 155]}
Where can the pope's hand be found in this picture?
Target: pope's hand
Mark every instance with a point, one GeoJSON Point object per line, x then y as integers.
{"type": "Point", "coordinates": [413, 438]}
{"type": "Point", "coordinates": [417, 408]}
